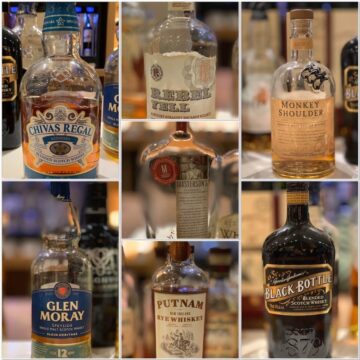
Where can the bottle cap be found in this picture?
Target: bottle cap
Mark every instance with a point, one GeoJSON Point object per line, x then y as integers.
{"type": "Point", "coordinates": [297, 193]}
{"type": "Point", "coordinates": [179, 250]}
{"type": "Point", "coordinates": [60, 16]}
{"type": "Point", "coordinates": [301, 14]}
{"type": "Point", "coordinates": [297, 186]}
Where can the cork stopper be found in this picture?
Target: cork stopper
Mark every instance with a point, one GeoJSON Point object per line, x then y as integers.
{"type": "Point", "coordinates": [179, 250]}
{"type": "Point", "coordinates": [301, 14]}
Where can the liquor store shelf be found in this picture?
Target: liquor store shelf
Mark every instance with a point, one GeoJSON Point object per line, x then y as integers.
{"type": "Point", "coordinates": [13, 167]}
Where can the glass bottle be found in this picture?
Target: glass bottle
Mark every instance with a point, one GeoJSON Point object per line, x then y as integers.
{"type": "Point", "coordinates": [302, 108]}
{"type": "Point", "coordinates": [133, 42]}
{"type": "Point", "coordinates": [100, 243]}
{"type": "Point", "coordinates": [349, 76]}
{"type": "Point", "coordinates": [11, 77]}
{"type": "Point", "coordinates": [259, 65]}
{"type": "Point", "coordinates": [175, 186]}
{"type": "Point", "coordinates": [180, 66]}
{"type": "Point", "coordinates": [30, 35]}
{"type": "Point", "coordinates": [180, 292]}
{"type": "Point", "coordinates": [61, 103]}
{"type": "Point", "coordinates": [61, 281]}
{"type": "Point", "coordinates": [222, 318]}
{"type": "Point", "coordinates": [299, 262]}
{"type": "Point", "coordinates": [111, 104]}
{"type": "Point", "coordinates": [227, 210]}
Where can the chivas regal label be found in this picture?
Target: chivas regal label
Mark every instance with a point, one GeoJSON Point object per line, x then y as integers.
{"type": "Point", "coordinates": [190, 177]}
{"type": "Point", "coordinates": [298, 290]}
{"type": "Point", "coordinates": [180, 85]}
{"type": "Point", "coordinates": [351, 89]}
{"type": "Point", "coordinates": [60, 136]}
{"type": "Point", "coordinates": [179, 325]}
{"type": "Point", "coordinates": [302, 128]}
{"type": "Point", "coordinates": [111, 116]}
{"type": "Point", "coordinates": [61, 321]}
{"type": "Point", "coordinates": [9, 78]}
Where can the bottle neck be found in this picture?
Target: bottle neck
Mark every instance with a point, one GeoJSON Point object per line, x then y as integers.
{"type": "Point", "coordinates": [96, 216]}
{"type": "Point", "coordinates": [298, 207]}
{"type": "Point", "coordinates": [60, 43]}
{"type": "Point", "coordinates": [61, 241]}
{"type": "Point", "coordinates": [28, 20]}
{"type": "Point", "coordinates": [179, 9]}
{"type": "Point", "coordinates": [301, 41]}
{"type": "Point", "coordinates": [181, 126]}
{"type": "Point", "coordinates": [259, 35]}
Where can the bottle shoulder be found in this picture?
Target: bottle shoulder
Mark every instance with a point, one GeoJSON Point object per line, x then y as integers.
{"type": "Point", "coordinates": [9, 36]}
{"type": "Point", "coordinates": [297, 242]}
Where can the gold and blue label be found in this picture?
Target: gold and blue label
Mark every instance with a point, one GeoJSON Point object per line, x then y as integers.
{"type": "Point", "coordinates": [111, 116]}
{"type": "Point", "coordinates": [61, 322]}
{"type": "Point", "coordinates": [60, 16]}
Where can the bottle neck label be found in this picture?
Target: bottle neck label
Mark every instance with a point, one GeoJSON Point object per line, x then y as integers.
{"type": "Point", "coordinates": [297, 197]}
{"type": "Point", "coordinates": [180, 85]}
{"type": "Point", "coordinates": [9, 79]}
{"type": "Point", "coordinates": [351, 89]}
{"type": "Point", "coordinates": [301, 43]}
{"type": "Point", "coordinates": [298, 290]}
{"type": "Point", "coordinates": [179, 324]}
{"type": "Point", "coordinates": [61, 312]}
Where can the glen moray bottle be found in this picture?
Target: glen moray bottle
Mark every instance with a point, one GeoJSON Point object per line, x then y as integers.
{"type": "Point", "coordinates": [298, 264]}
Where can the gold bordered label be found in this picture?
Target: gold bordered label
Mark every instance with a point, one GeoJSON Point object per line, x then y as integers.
{"type": "Point", "coordinates": [9, 79]}
{"type": "Point", "coordinates": [297, 198]}
{"type": "Point", "coordinates": [301, 44]}
{"type": "Point", "coordinates": [298, 290]}
{"type": "Point", "coordinates": [351, 89]}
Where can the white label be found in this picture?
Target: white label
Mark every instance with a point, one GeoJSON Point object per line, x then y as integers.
{"type": "Point", "coordinates": [228, 227]}
{"type": "Point", "coordinates": [256, 108]}
{"type": "Point", "coordinates": [128, 332]}
{"type": "Point", "coordinates": [192, 208]}
{"type": "Point", "coordinates": [179, 325]}
{"type": "Point", "coordinates": [180, 85]}
{"type": "Point", "coordinates": [60, 136]}
{"type": "Point", "coordinates": [221, 335]}
{"type": "Point", "coordinates": [181, 6]}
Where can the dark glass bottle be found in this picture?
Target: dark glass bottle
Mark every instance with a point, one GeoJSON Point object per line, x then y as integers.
{"type": "Point", "coordinates": [349, 67]}
{"type": "Point", "coordinates": [298, 264]}
{"type": "Point", "coordinates": [101, 245]}
{"type": "Point", "coordinates": [11, 77]}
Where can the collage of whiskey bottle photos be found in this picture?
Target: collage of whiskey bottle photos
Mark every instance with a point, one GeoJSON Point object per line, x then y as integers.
{"type": "Point", "coordinates": [212, 212]}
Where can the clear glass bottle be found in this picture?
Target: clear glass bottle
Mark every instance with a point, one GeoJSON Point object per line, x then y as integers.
{"type": "Point", "coordinates": [302, 108]}
{"type": "Point", "coordinates": [30, 35]}
{"type": "Point", "coordinates": [180, 66]}
{"type": "Point", "coordinates": [222, 317]}
{"type": "Point", "coordinates": [61, 282]}
{"type": "Point", "coordinates": [175, 185]}
{"type": "Point", "coordinates": [259, 64]}
{"type": "Point", "coordinates": [61, 103]}
{"type": "Point", "coordinates": [100, 243]}
{"type": "Point", "coordinates": [111, 104]}
{"type": "Point", "coordinates": [133, 43]}
{"type": "Point", "coordinates": [226, 214]}
{"type": "Point", "coordinates": [179, 290]}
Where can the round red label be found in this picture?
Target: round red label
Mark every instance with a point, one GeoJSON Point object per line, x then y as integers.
{"type": "Point", "coordinates": [164, 170]}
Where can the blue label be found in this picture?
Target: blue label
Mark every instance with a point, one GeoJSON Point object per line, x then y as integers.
{"type": "Point", "coordinates": [111, 105]}
{"type": "Point", "coordinates": [61, 312]}
{"type": "Point", "coordinates": [60, 16]}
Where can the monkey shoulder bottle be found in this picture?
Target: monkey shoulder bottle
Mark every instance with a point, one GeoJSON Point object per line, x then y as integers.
{"type": "Point", "coordinates": [298, 262]}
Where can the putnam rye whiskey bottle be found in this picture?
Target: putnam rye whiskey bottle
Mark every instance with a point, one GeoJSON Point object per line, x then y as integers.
{"type": "Point", "coordinates": [179, 298]}
{"type": "Point", "coordinates": [61, 103]}
{"type": "Point", "coordinates": [180, 66]}
{"type": "Point", "coordinates": [175, 186]}
{"type": "Point", "coordinates": [298, 262]}
{"type": "Point", "coordinates": [302, 108]}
